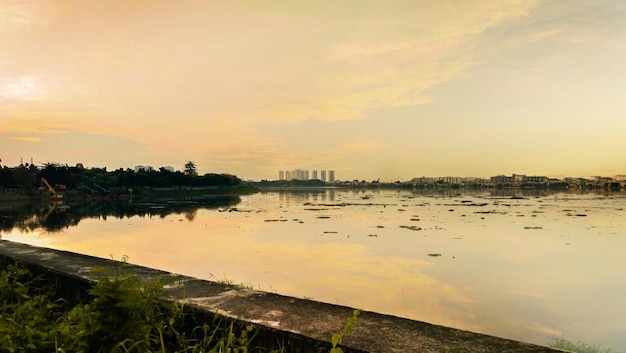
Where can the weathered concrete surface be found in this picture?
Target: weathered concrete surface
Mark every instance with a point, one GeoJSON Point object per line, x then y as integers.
{"type": "Point", "coordinates": [299, 325]}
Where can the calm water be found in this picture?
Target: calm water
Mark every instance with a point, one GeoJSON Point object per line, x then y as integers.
{"type": "Point", "coordinates": [523, 268]}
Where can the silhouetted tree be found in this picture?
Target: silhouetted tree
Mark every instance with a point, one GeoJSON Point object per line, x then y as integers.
{"type": "Point", "coordinates": [190, 169]}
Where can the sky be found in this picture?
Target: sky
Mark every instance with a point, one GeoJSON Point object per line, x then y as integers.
{"type": "Point", "coordinates": [387, 90]}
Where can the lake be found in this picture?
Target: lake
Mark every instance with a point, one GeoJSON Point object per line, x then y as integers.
{"type": "Point", "coordinates": [522, 265]}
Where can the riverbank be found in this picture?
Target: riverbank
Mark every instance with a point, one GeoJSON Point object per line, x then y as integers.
{"type": "Point", "coordinates": [298, 325]}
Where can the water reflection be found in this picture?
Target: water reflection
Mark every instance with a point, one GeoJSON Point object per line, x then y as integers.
{"type": "Point", "coordinates": [55, 217]}
{"type": "Point", "coordinates": [305, 195]}
{"type": "Point", "coordinates": [522, 264]}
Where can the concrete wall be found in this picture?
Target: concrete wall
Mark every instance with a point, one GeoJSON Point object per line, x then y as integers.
{"type": "Point", "coordinates": [299, 325]}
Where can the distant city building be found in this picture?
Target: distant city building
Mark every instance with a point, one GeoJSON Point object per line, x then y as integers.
{"type": "Point", "coordinates": [143, 168]}
{"type": "Point", "coordinates": [516, 179]}
{"type": "Point", "coordinates": [300, 174]}
{"type": "Point", "coordinates": [423, 180]}
{"type": "Point", "coordinates": [305, 174]}
{"type": "Point", "coordinates": [452, 180]}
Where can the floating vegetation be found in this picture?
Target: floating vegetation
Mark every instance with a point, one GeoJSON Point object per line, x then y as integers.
{"type": "Point", "coordinates": [275, 220]}
{"type": "Point", "coordinates": [464, 203]}
{"type": "Point", "coordinates": [329, 232]}
{"type": "Point", "coordinates": [486, 212]}
{"type": "Point", "coordinates": [533, 227]}
{"type": "Point", "coordinates": [411, 227]}
{"type": "Point", "coordinates": [323, 217]}
{"type": "Point", "coordinates": [415, 219]}
{"type": "Point", "coordinates": [434, 254]}
{"type": "Point", "coordinates": [372, 235]}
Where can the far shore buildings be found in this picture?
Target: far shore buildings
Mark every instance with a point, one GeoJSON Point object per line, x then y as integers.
{"type": "Point", "coordinates": [302, 174]}
{"type": "Point", "coordinates": [517, 179]}
{"type": "Point", "coordinates": [147, 168]}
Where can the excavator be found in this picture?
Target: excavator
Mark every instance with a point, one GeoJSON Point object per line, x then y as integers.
{"type": "Point", "coordinates": [53, 194]}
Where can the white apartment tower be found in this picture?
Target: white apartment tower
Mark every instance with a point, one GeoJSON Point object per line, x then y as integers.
{"type": "Point", "coordinates": [331, 176]}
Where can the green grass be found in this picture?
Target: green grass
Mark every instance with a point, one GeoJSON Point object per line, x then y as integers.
{"type": "Point", "coordinates": [578, 347]}
{"type": "Point", "coordinates": [125, 314]}
{"type": "Point", "coordinates": [122, 315]}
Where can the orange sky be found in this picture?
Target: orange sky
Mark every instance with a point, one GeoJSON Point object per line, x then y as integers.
{"type": "Point", "coordinates": [371, 89]}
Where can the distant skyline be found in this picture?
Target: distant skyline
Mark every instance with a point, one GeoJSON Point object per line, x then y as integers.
{"type": "Point", "coordinates": [373, 90]}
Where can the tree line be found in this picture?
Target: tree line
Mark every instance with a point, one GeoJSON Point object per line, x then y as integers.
{"type": "Point", "coordinates": [27, 176]}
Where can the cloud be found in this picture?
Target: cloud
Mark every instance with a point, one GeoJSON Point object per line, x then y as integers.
{"type": "Point", "coordinates": [257, 63]}
{"type": "Point", "coordinates": [25, 139]}
{"type": "Point", "coordinates": [20, 88]}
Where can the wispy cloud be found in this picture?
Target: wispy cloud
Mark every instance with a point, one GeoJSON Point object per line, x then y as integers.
{"type": "Point", "coordinates": [25, 139]}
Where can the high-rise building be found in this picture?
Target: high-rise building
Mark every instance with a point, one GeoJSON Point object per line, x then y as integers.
{"type": "Point", "coordinates": [301, 174]}
{"type": "Point", "coordinates": [281, 175]}
{"type": "Point", "coordinates": [314, 174]}
{"type": "Point", "coordinates": [331, 176]}
{"type": "Point", "coordinates": [323, 175]}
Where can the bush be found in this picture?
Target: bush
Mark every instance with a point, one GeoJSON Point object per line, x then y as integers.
{"type": "Point", "coordinates": [125, 315]}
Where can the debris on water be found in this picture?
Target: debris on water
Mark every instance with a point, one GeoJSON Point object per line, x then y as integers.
{"type": "Point", "coordinates": [323, 217]}
{"type": "Point", "coordinates": [533, 227]}
{"type": "Point", "coordinates": [450, 210]}
{"type": "Point", "coordinates": [372, 235]}
{"type": "Point", "coordinates": [380, 226]}
{"type": "Point", "coordinates": [275, 220]}
{"type": "Point", "coordinates": [411, 227]}
{"type": "Point", "coordinates": [434, 254]}
{"type": "Point", "coordinates": [415, 219]}
{"type": "Point", "coordinates": [486, 212]}
{"type": "Point", "coordinates": [329, 232]}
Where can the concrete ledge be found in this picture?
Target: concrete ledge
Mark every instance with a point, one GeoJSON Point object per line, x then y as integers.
{"type": "Point", "coordinates": [299, 325]}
